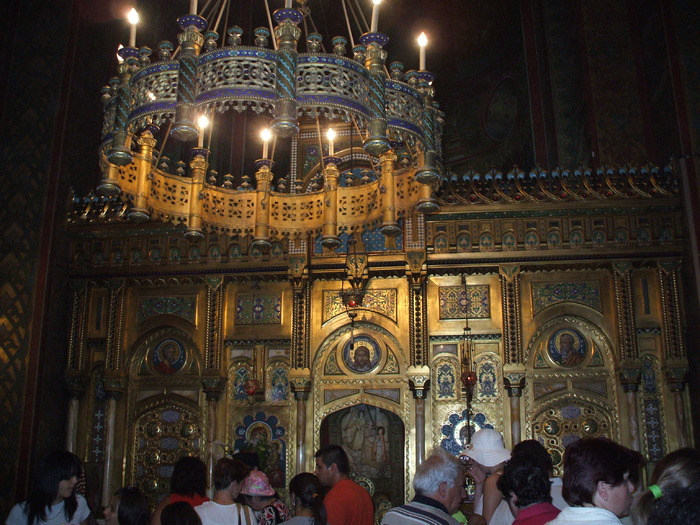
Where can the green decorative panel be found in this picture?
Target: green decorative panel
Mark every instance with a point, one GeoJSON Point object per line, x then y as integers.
{"type": "Point", "coordinates": [184, 306]}
{"type": "Point", "coordinates": [259, 309]}
{"type": "Point", "coordinates": [456, 302]}
{"type": "Point", "coordinates": [583, 292]}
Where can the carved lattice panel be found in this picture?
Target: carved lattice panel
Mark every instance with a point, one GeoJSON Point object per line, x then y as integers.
{"type": "Point", "coordinates": [558, 426]}
{"type": "Point", "coordinates": [163, 435]}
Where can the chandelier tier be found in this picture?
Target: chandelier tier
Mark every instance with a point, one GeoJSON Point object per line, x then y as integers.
{"type": "Point", "coordinates": [393, 114]}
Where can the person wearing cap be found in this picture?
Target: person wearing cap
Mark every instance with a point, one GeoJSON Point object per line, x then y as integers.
{"type": "Point", "coordinates": [487, 454]}
{"type": "Point", "coordinates": [439, 486]}
{"type": "Point", "coordinates": [263, 499]}
{"type": "Point", "coordinates": [228, 480]}
{"type": "Point", "coordinates": [347, 503]}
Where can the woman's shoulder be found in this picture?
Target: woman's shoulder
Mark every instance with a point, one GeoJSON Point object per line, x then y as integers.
{"type": "Point", "coordinates": [17, 515]}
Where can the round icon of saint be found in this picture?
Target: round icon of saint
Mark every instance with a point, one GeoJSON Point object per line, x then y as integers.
{"type": "Point", "coordinates": [361, 354]}
{"type": "Point", "coordinates": [168, 356]}
{"type": "Point", "coordinates": [567, 347]}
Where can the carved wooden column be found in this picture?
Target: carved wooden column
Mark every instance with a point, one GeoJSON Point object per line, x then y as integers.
{"type": "Point", "coordinates": [419, 383]}
{"type": "Point", "coordinates": [669, 282]}
{"type": "Point", "coordinates": [677, 377]}
{"type": "Point", "coordinates": [213, 386]}
{"type": "Point", "coordinates": [114, 387]}
{"type": "Point", "coordinates": [113, 380]}
{"type": "Point", "coordinates": [416, 272]}
{"type": "Point", "coordinates": [76, 378]}
{"type": "Point", "coordinates": [514, 383]}
{"type": "Point", "coordinates": [510, 298]}
{"type": "Point", "coordinates": [300, 382]}
{"type": "Point", "coordinates": [630, 377]}
{"type": "Point", "coordinates": [626, 329]}
{"type": "Point", "coordinates": [301, 308]}
{"type": "Point", "coordinates": [77, 384]}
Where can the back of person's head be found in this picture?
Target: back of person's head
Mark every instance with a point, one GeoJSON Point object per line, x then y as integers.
{"type": "Point", "coordinates": [307, 489]}
{"type": "Point", "coordinates": [527, 480]}
{"type": "Point", "coordinates": [250, 459]}
{"type": "Point", "coordinates": [535, 452]}
{"type": "Point", "coordinates": [439, 467]}
{"type": "Point", "coordinates": [679, 470]}
{"type": "Point", "coordinates": [677, 507]}
{"type": "Point", "coordinates": [133, 507]}
{"type": "Point", "coordinates": [331, 454]}
{"type": "Point", "coordinates": [179, 513]}
{"type": "Point", "coordinates": [591, 460]}
{"type": "Point", "coordinates": [189, 477]}
{"type": "Point", "coordinates": [227, 471]}
{"type": "Point", "coordinates": [54, 467]}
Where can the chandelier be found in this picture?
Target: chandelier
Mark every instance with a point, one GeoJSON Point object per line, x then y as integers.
{"type": "Point", "coordinates": [360, 143]}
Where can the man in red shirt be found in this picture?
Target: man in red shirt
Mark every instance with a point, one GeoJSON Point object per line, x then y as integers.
{"type": "Point", "coordinates": [347, 503]}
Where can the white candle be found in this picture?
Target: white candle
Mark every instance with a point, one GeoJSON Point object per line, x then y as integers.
{"type": "Point", "coordinates": [375, 16]}
{"type": "Point", "coordinates": [265, 135]}
{"type": "Point", "coordinates": [330, 135]}
{"type": "Point", "coordinates": [287, 4]}
{"type": "Point", "coordinates": [203, 122]}
{"type": "Point", "coordinates": [422, 42]}
{"type": "Point", "coordinates": [193, 7]}
{"type": "Point", "coordinates": [133, 18]}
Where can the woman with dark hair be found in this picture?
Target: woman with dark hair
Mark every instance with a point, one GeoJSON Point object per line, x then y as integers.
{"type": "Point", "coordinates": [534, 451]}
{"type": "Point", "coordinates": [180, 513]}
{"type": "Point", "coordinates": [599, 479]}
{"type": "Point", "coordinates": [129, 506]}
{"type": "Point", "coordinates": [188, 484]}
{"type": "Point", "coordinates": [305, 494]}
{"type": "Point", "coordinates": [52, 499]}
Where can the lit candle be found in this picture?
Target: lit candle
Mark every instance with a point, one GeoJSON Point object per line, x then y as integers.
{"type": "Point", "coordinates": [330, 135]}
{"type": "Point", "coordinates": [422, 42]}
{"type": "Point", "coordinates": [287, 4]}
{"type": "Point", "coordinates": [202, 122]}
{"type": "Point", "coordinates": [375, 16]}
{"type": "Point", "coordinates": [193, 7]}
{"type": "Point", "coordinates": [265, 135]}
{"type": "Point", "coordinates": [133, 18]}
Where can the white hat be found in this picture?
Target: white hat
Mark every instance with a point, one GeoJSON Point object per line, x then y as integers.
{"type": "Point", "coordinates": [487, 448]}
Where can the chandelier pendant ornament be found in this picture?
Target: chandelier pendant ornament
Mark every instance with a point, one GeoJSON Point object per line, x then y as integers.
{"type": "Point", "coordinates": [155, 101]}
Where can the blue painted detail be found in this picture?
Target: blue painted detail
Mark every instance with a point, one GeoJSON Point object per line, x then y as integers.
{"type": "Point", "coordinates": [408, 126]}
{"type": "Point", "coordinates": [306, 58]}
{"type": "Point", "coordinates": [156, 69]}
{"type": "Point", "coordinates": [404, 88]}
{"type": "Point", "coordinates": [238, 51]}
{"type": "Point", "coordinates": [192, 20]}
{"type": "Point", "coordinates": [155, 107]}
{"type": "Point", "coordinates": [233, 93]}
{"type": "Point", "coordinates": [374, 38]}
{"type": "Point", "coordinates": [325, 100]}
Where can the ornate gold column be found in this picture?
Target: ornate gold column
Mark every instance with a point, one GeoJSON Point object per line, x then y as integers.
{"type": "Point", "coordinates": [262, 211]}
{"type": "Point", "coordinates": [300, 382]}
{"type": "Point", "coordinates": [330, 223]}
{"type": "Point", "coordinates": [301, 308]}
{"type": "Point", "coordinates": [514, 382]}
{"type": "Point", "coordinates": [512, 327]}
{"type": "Point", "coordinates": [144, 165]}
{"type": "Point", "coordinates": [417, 302]}
{"type": "Point", "coordinates": [419, 383]}
{"type": "Point", "coordinates": [389, 226]}
{"type": "Point", "coordinates": [198, 168]}
{"type": "Point", "coordinates": [630, 377]}
{"type": "Point", "coordinates": [669, 278]}
{"type": "Point", "coordinates": [76, 378]}
{"type": "Point", "coordinates": [677, 377]}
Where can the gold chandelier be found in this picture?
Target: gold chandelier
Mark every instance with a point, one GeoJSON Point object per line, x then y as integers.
{"type": "Point", "coordinates": [380, 161]}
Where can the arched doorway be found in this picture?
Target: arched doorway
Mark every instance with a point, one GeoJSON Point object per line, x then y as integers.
{"type": "Point", "coordinates": [374, 439]}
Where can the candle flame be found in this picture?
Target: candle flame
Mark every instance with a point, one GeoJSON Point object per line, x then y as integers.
{"type": "Point", "coordinates": [422, 40]}
{"type": "Point", "coordinates": [330, 134]}
{"type": "Point", "coordinates": [133, 17]}
{"type": "Point", "coordinates": [203, 121]}
{"type": "Point", "coordinates": [266, 135]}
{"type": "Point", "coordinates": [376, 2]}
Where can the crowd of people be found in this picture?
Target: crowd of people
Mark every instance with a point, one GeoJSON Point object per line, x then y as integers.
{"type": "Point", "coordinates": [601, 485]}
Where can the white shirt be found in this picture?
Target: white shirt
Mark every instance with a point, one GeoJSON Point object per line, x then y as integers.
{"type": "Point", "coordinates": [555, 491]}
{"type": "Point", "coordinates": [585, 515]}
{"type": "Point", "coordinates": [212, 513]}
{"type": "Point", "coordinates": [55, 515]}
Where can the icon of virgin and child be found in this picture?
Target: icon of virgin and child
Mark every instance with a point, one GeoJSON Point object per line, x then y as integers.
{"type": "Point", "coordinates": [364, 437]}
